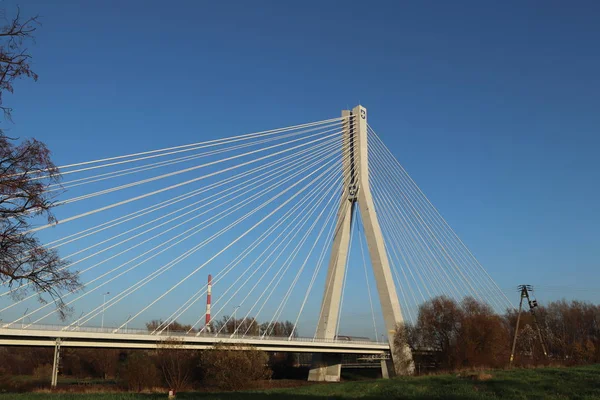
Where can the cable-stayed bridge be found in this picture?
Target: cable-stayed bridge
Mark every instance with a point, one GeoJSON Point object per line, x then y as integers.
{"type": "Point", "coordinates": [310, 223]}
{"type": "Point", "coordinates": [47, 335]}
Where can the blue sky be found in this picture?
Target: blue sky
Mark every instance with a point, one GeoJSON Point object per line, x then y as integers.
{"type": "Point", "coordinates": [492, 107]}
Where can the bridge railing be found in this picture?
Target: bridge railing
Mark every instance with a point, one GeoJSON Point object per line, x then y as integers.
{"type": "Point", "coordinates": [168, 333]}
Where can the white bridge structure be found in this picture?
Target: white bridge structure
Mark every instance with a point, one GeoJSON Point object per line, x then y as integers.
{"type": "Point", "coordinates": [50, 335]}
{"type": "Point", "coordinates": [263, 213]}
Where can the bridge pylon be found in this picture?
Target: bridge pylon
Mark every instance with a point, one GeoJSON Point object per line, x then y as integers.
{"type": "Point", "coordinates": [357, 192]}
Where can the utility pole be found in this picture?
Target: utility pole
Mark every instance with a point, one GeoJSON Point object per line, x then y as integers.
{"type": "Point", "coordinates": [533, 304]}
{"type": "Point", "coordinates": [56, 363]}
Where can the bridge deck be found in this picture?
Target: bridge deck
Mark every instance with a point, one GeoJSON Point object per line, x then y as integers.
{"type": "Point", "coordinates": [46, 335]}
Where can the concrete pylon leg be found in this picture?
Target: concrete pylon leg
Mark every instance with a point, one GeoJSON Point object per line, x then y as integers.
{"type": "Point", "coordinates": [388, 297]}
{"type": "Point", "coordinates": [384, 369]}
{"type": "Point", "coordinates": [335, 275]}
{"type": "Point", "coordinates": [357, 190]}
{"type": "Point", "coordinates": [326, 367]}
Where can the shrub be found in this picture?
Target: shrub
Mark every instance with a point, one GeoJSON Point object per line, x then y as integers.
{"type": "Point", "coordinates": [462, 335]}
{"type": "Point", "coordinates": [572, 331]}
{"type": "Point", "coordinates": [234, 367]}
{"type": "Point", "coordinates": [43, 372]}
{"type": "Point", "coordinates": [6, 380]}
{"type": "Point", "coordinates": [483, 339]}
{"type": "Point", "coordinates": [176, 363]}
{"type": "Point", "coordinates": [139, 372]}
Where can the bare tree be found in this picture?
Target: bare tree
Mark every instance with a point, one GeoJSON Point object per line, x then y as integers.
{"type": "Point", "coordinates": [14, 57]}
{"type": "Point", "coordinates": [139, 372]}
{"type": "Point", "coordinates": [176, 363]}
{"type": "Point", "coordinates": [439, 325]}
{"type": "Point", "coordinates": [26, 171]}
{"type": "Point", "coordinates": [234, 367]}
{"type": "Point", "coordinates": [483, 339]}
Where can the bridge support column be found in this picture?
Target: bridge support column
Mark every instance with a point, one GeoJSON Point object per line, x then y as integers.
{"type": "Point", "coordinates": [384, 369]}
{"type": "Point", "coordinates": [326, 367]}
{"type": "Point", "coordinates": [357, 191]}
{"type": "Point", "coordinates": [55, 364]}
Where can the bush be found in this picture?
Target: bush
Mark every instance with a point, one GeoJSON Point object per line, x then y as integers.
{"type": "Point", "coordinates": [6, 380]}
{"type": "Point", "coordinates": [469, 334]}
{"type": "Point", "coordinates": [572, 331]}
{"type": "Point", "coordinates": [139, 372]}
{"type": "Point", "coordinates": [462, 335]}
{"type": "Point", "coordinates": [234, 367]}
{"type": "Point", "coordinates": [43, 372]}
{"type": "Point", "coordinates": [176, 363]}
{"type": "Point", "coordinates": [483, 337]}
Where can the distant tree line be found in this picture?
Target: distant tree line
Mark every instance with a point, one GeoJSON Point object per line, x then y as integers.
{"type": "Point", "coordinates": [469, 334]}
{"type": "Point", "coordinates": [454, 335]}
{"type": "Point", "coordinates": [170, 365]}
{"type": "Point", "coordinates": [230, 325]}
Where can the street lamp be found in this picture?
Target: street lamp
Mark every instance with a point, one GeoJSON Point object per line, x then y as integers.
{"type": "Point", "coordinates": [23, 319]}
{"type": "Point", "coordinates": [235, 320]}
{"type": "Point", "coordinates": [78, 321]}
{"type": "Point", "coordinates": [103, 308]}
{"type": "Point", "coordinates": [126, 322]}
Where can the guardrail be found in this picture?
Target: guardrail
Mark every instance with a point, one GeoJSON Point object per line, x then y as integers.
{"type": "Point", "coordinates": [168, 333]}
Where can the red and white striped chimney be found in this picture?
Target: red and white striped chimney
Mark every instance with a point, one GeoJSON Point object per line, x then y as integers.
{"type": "Point", "coordinates": [208, 299]}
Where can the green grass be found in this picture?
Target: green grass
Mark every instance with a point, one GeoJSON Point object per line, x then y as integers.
{"type": "Point", "coordinates": [544, 383]}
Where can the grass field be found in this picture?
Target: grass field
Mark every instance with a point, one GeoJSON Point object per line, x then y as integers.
{"type": "Point", "coordinates": [543, 383]}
